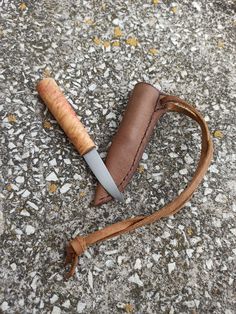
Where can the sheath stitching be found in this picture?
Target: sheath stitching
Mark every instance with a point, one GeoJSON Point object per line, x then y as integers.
{"type": "Point", "coordinates": [138, 150]}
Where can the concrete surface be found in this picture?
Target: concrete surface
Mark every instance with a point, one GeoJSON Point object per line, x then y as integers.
{"type": "Point", "coordinates": [184, 264]}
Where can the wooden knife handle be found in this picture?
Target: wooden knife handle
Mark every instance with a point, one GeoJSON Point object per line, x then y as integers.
{"type": "Point", "coordinates": [59, 106]}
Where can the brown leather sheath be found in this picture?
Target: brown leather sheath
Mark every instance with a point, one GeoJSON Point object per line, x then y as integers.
{"type": "Point", "coordinates": [141, 115]}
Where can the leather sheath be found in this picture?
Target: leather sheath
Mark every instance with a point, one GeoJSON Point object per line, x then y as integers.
{"type": "Point", "coordinates": [139, 119]}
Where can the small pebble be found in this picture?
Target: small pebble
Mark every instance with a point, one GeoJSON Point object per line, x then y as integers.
{"type": "Point", "coordinates": [145, 156]}
{"type": "Point", "coordinates": [209, 264]}
{"type": "Point", "coordinates": [26, 193]}
{"type": "Point", "coordinates": [29, 230]}
{"type": "Point", "coordinates": [173, 155]}
{"type": "Point", "coordinates": [156, 257]}
{"type": "Point", "coordinates": [116, 22]}
{"type": "Point", "coordinates": [65, 188]}
{"type": "Point", "coordinates": [111, 252]}
{"type": "Point", "coordinates": [233, 230]}
{"type": "Point", "coordinates": [190, 304]}
{"type": "Point", "coordinates": [138, 264]}
{"type": "Point", "coordinates": [183, 171]}
{"type": "Point", "coordinates": [120, 305]}
{"type": "Point", "coordinates": [208, 191]}
{"type": "Point", "coordinates": [1, 223]}
{"type": "Point", "coordinates": [149, 265]}
{"type": "Point", "coordinates": [109, 263]}
{"type": "Point", "coordinates": [90, 279]}
{"type": "Point", "coordinates": [196, 5]}
{"type": "Point", "coordinates": [4, 306]}
{"type": "Point", "coordinates": [13, 266]}
{"type": "Point", "coordinates": [189, 252]}
{"type": "Point", "coordinates": [189, 160]}
{"type": "Point", "coordinates": [25, 213]}
{"type": "Point", "coordinates": [80, 307]}
{"type": "Point", "coordinates": [52, 177]}
{"type": "Point", "coordinates": [77, 177]}
{"type": "Point", "coordinates": [41, 305]}
{"type": "Point", "coordinates": [221, 198]}
{"type": "Point", "coordinates": [171, 267]}
{"type": "Point", "coordinates": [165, 235]}
{"type": "Point", "coordinates": [67, 161]}
{"type": "Point", "coordinates": [66, 304]}
{"type": "Point", "coordinates": [34, 283]}
{"type": "Point", "coordinates": [53, 162]}
{"type": "Point", "coordinates": [120, 259]}
{"type": "Point", "coordinates": [20, 179]}
{"type": "Point", "coordinates": [32, 205]}
{"type": "Point", "coordinates": [92, 87]}
{"type": "Point", "coordinates": [111, 115]}
{"type": "Point", "coordinates": [56, 310]}
{"type": "Point", "coordinates": [135, 279]}
{"type": "Point", "coordinates": [54, 299]}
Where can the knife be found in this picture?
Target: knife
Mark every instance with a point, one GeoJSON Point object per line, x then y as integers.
{"type": "Point", "coordinates": [58, 105]}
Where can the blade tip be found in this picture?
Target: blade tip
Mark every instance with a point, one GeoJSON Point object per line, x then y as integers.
{"type": "Point", "coordinates": [121, 198]}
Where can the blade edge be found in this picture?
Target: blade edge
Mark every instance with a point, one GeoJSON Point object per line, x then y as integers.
{"type": "Point", "coordinates": [103, 175]}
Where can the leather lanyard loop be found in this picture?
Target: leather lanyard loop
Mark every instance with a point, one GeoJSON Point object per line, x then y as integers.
{"type": "Point", "coordinates": [169, 103]}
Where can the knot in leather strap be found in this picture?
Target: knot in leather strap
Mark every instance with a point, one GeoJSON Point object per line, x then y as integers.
{"type": "Point", "coordinates": [75, 248]}
{"type": "Point", "coordinates": [79, 245]}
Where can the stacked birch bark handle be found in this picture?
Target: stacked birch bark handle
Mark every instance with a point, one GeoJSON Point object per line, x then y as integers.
{"type": "Point", "coordinates": [61, 109]}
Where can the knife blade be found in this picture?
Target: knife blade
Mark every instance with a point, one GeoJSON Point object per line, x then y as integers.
{"type": "Point", "coordinates": [63, 112]}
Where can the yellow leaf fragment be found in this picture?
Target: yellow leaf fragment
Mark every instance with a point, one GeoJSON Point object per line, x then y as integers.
{"type": "Point", "coordinates": [46, 73]}
{"type": "Point", "coordinates": [155, 2]}
{"type": "Point", "coordinates": [140, 169]}
{"type": "Point", "coordinates": [47, 124]}
{"type": "Point", "coordinates": [11, 118]}
{"type": "Point", "coordinates": [218, 134]}
{"type": "Point", "coordinates": [117, 32]}
{"type": "Point", "coordinates": [153, 51]}
{"type": "Point", "coordinates": [9, 187]}
{"type": "Point", "coordinates": [97, 40]}
{"type": "Point", "coordinates": [106, 44]}
{"type": "Point", "coordinates": [132, 41]}
{"type": "Point", "coordinates": [104, 6]}
{"type": "Point", "coordinates": [129, 308]}
{"type": "Point", "coordinates": [116, 43]}
{"type": "Point", "coordinates": [52, 188]}
{"type": "Point", "coordinates": [174, 9]}
{"type": "Point", "coordinates": [220, 44]}
{"type": "Point", "coordinates": [88, 21]}
{"type": "Point", "coordinates": [189, 231]}
{"type": "Point", "coordinates": [22, 6]}
{"type": "Point", "coordinates": [82, 194]}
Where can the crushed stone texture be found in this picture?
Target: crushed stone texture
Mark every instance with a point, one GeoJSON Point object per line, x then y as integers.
{"type": "Point", "coordinates": [97, 51]}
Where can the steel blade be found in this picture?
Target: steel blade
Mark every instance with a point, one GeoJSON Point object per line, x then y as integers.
{"type": "Point", "coordinates": [102, 174]}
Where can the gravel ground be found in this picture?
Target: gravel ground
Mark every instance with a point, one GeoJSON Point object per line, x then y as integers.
{"type": "Point", "coordinates": [97, 51]}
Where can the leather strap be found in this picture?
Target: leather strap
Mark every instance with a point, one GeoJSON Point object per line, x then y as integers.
{"type": "Point", "coordinates": [170, 103]}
